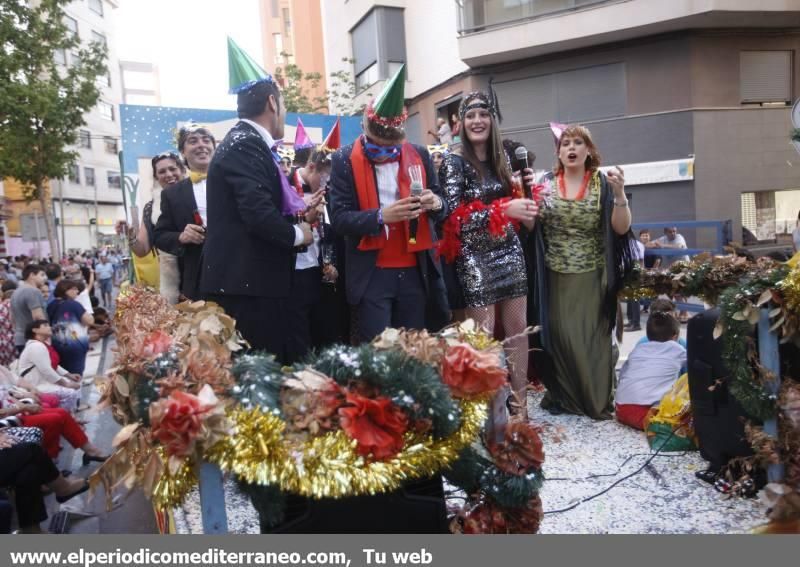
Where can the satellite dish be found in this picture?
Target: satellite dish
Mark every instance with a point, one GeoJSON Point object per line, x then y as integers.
{"type": "Point", "coordinates": [796, 114]}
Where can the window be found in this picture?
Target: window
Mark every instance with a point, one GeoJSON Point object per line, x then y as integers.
{"type": "Point", "coordinates": [114, 181]}
{"type": "Point", "coordinates": [99, 38]}
{"type": "Point", "coordinates": [769, 216]}
{"type": "Point", "coordinates": [111, 145]}
{"type": "Point", "coordinates": [74, 174]}
{"type": "Point", "coordinates": [75, 59]}
{"type": "Point", "coordinates": [277, 41]}
{"type": "Point", "coordinates": [88, 174]}
{"type": "Point", "coordinates": [103, 80]}
{"type": "Point", "coordinates": [84, 139]}
{"type": "Point", "coordinates": [765, 76]}
{"type": "Point", "coordinates": [106, 110]}
{"type": "Point", "coordinates": [96, 6]}
{"type": "Point", "coordinates": [60, 56]}
{"type": "Point", "coordinates": [379, 45]}
{"type": "Point", "coordinates": [287, 22]}
{"type": "Point", "coordinates": [72, 24]}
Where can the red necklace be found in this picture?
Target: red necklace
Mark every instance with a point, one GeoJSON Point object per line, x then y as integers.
{"type": "Point", "coordinates": [562, 186]}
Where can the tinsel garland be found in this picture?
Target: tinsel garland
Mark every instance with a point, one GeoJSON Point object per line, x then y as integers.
{"type": "Point", "coordinates": [329, 466]}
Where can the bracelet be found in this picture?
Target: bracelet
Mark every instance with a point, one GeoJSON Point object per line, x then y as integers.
{"type": "Point", "coordinates": [622, 204]}
{"type": "Point", "coordinates": [439, 203]}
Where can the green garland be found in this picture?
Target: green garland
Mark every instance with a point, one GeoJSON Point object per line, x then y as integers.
{"type": "Point", "coordinates": [475, 472]}
{"type": "Point", "coordinates": [412, 385]}
{"type": "Point", "coordinates": [737, 347]}
{"type": "Point", "coordinates": [796, 135]}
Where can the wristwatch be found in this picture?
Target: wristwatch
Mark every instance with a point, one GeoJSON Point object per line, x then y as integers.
{"type": "Point", "coordinates": [439, 203]}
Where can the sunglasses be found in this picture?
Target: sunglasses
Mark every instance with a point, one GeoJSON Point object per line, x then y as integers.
{"type": "Point", "coordinates": [166, 155]}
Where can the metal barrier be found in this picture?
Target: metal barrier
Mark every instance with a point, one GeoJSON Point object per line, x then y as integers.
{"type": "Point", "coordinates": [722, 230]}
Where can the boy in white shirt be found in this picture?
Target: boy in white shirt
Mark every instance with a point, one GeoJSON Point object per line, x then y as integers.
{"type": "Point", "coordinates": [650, 371]}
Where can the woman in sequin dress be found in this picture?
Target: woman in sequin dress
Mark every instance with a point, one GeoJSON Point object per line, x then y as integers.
{"type": "Point", "coordinates": [481, 232]}
{"type": "Point", "coordinates": [583, 255]}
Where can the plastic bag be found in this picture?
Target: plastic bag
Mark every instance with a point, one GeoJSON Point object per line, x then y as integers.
{"type": "Point", "coordinates": [674, 412]}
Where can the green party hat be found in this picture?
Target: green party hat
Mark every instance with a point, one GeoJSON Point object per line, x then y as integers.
{"type": "Point", "coordinates": [243, 71]}
{"type": "Point", "coordinates": [387, 108]}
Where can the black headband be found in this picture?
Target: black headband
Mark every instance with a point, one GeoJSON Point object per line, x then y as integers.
{"type": "Point", "coordinates": [476, 99]}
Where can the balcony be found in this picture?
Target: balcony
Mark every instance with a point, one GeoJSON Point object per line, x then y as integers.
{"type": "Point", "coordinates": [498, 31]}
{"type": "Point", "coordinates": [479, 15]}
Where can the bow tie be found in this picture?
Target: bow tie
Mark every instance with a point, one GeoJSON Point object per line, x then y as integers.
{"type": "Point", "coordinates": [196, 176]}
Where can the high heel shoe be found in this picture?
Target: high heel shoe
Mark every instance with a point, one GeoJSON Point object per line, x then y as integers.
{"type": "Point", "coordinates": [96, 458]}
{"type": "Point", "coordinates": [65, 497]}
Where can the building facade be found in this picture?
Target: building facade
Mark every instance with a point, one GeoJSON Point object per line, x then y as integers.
{"type": "Point", "coordinates": [692, 98]}
{"type": "Point", "coordinates": [291, 32]}
{"type": "Point", "coordinates": [87, 204]}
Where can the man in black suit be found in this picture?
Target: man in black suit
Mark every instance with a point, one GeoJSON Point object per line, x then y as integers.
{"type": "Point", "coordinates": [180, 229]}
{"type": "Point", "coordinates": [255, 224]}
{"type": "Point", "coordinates": [393, 277]}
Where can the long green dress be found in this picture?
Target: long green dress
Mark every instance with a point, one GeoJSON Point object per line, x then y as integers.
{"type": "Point", "coordinates": [580, 342]}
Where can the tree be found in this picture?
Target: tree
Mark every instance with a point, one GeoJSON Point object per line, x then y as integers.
{"type": "Point", "coordinates": [42, 103]}
{"type": "Point", "coordinates": [294, 82]}
{"type": "Point", "coordinates": [339, 97]}
{"type": "Point", "coordinates": [342, 92]}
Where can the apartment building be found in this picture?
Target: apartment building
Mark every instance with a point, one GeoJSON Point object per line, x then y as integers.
{"type": "Point", "coordinates": [294, 28]}
{"type": "Point", "coordinates": [694, 97]}
{"type": "Point", "coordinates": [89, 201]}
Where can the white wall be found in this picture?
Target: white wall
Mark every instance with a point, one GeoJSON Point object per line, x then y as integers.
{"type": "Point", "coordinates": [431, 38]}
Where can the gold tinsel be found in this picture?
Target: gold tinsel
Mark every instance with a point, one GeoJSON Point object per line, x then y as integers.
{"type": "Point", "coordinates": [790, 289]}
{"type": "Point", "coordinates": [171, 488]}
{"type": "Point", "coordinates": [328, 466]}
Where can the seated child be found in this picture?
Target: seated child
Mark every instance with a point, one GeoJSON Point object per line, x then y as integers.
{"type": "Point", "coordinates": [650, 371]}
{"type": "Point", "coordinates": [663, 306]}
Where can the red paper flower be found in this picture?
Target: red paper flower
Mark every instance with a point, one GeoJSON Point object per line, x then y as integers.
{"type": "Point", "coordinates": [470, 373]}
{"type": "Point", "coordinates": [377, 425]}
{"type": "Point", "coordinates": [155, 343]}
{"type": "Point", "coordinates": [177, 422]}
{"type": "Point", "coordinates": [520, 451]}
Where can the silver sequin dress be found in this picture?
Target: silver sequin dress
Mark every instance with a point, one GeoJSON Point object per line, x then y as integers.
{"type": "Point", "coordinates": [489, 269]}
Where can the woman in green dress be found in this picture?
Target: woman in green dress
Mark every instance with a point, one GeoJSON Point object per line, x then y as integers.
{"type": "Point", "coordinates": [582, 255]}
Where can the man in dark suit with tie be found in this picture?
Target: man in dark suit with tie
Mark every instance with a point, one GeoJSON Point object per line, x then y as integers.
{"type": "Point", "coordinates": [255, 221]}
{"type": "Point", "coordinates": [180, 229]}
{"type": "Point", "coordinates": [393, 278]}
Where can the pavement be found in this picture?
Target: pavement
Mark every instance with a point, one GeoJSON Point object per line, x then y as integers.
{"type": "Point", "coordinates": [86, 514]}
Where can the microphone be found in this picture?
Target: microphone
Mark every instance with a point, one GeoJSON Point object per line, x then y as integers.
{"type": "Point", "coordinates": [520, 162]}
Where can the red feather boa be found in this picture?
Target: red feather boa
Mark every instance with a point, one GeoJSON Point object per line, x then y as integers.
{"type": "Point", "coordinates": [450, 245]}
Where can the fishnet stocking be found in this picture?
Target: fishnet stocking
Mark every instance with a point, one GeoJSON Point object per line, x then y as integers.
{"type": "Point", "coordinates": [513, 317]}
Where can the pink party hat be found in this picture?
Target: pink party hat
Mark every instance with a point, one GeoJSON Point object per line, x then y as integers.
{"type": "Point", "coordinates": [301, 139]}
{"type": "Point", "coordinates": [558, 129]}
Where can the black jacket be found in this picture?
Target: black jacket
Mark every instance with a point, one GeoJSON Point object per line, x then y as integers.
{"type": "Point", "coordinates": [353, 223]}
{"type": "Point", "coordinates": [177, 210]}
{"type": "Point", "coordinates": [249, 247]}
